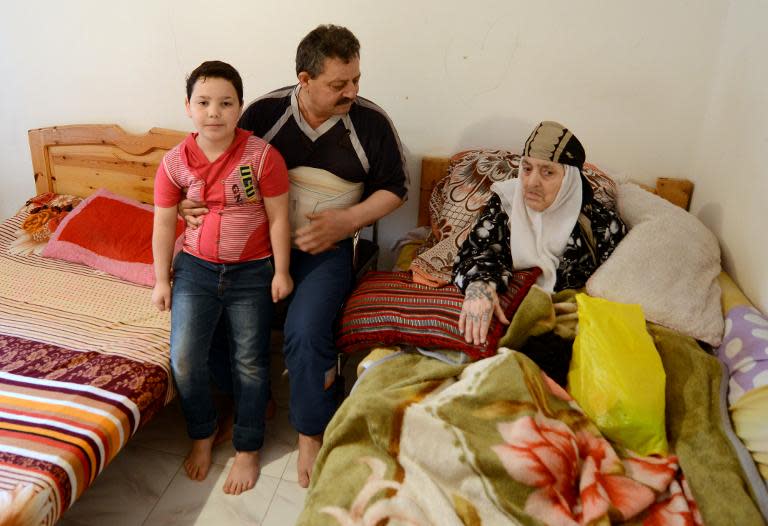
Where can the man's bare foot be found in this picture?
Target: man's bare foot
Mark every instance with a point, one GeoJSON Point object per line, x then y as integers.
{"type": "Point", "coordinates": [198, 461]}
{"type": "Point", "coordinates": [244, 473]}
{"type": "Point", "coordinates": [309, 446]}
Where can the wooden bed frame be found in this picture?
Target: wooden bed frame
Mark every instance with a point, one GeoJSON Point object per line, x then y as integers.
{"type": "Point", "coordinates": [677, 191]}
{"type": "Point", "coordinates": [79, 159]}
{"type": "Point", "coordinates": [51, 460]}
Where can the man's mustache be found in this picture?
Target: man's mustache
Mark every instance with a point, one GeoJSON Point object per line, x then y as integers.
{"type": "Point", "coordinates": [343, 101]}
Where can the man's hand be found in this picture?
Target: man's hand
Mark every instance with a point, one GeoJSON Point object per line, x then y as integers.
{"type": "Point", "coordinates": [192, 212]}
{"type": "Point", "coordinates": [480, 303]}
{"type": "Point", "coordinates": [325, 230]}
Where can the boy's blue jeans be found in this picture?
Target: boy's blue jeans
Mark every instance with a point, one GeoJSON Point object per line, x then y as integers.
{"type": "Point", "coordinates": [202, 293]}
{"type": "Point", "coordinates": [321, 284]}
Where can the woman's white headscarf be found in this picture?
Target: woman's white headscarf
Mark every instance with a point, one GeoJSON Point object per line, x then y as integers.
{"type": "Point", "coordinates": [538, 239]}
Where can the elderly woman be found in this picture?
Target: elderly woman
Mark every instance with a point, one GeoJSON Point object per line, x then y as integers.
{"type": "Point", "coordinates": [545, 218]}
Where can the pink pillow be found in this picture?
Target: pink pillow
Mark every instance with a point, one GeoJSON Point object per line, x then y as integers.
{"type": "Point", "coordinates": [110, 233]}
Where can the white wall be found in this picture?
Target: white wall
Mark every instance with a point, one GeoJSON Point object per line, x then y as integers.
{"type": "Point", "coordinates": [731, 161]}
{"type": "Point", "coordinates": [633, 80]}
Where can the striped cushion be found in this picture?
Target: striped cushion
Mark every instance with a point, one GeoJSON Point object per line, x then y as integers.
{"type": "Point", "coordinates": [388, 308]}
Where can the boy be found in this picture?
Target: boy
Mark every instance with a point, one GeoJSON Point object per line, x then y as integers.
{"type": "Point", "coordinates": [224, 267]}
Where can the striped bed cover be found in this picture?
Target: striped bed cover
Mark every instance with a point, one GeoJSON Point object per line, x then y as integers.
{"type": "Point", "coordinates": [84, 361]}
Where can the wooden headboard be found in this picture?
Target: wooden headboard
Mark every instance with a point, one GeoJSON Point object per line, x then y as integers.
{"type": "Point", "coordinates": [677, 191]}
{"type": "Point", "coordinates": [80, 159]}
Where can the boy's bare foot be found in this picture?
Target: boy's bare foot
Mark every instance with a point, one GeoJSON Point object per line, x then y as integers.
{"type": "Point", "coordinates": [198, 461]}
{"type": "Point", "coordinates": [309, 446]}
{"type": "Point", "coordinates": [244, 473]}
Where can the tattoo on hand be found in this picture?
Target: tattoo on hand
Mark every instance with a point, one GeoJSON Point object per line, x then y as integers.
{"type": "Point", "coordinates": [479, 290]}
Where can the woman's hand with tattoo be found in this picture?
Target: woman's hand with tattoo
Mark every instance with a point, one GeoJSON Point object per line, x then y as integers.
{"type": "Point", "coordinates": [480, 304]}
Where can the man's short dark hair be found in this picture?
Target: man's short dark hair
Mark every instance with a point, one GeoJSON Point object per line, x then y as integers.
{"type": "Point", "coordinates": [216, 69]}
{"type": "Point", "coordinates": [325, 41]}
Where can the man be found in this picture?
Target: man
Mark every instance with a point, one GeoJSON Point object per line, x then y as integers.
{"type": "Point", "coordinates": [322, 123]}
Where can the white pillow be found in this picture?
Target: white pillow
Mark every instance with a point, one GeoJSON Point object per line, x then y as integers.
{"type": "Point", "coordinates": [668, 263]}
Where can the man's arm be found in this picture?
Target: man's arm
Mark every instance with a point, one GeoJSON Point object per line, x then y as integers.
{"type": "Point", "coordinates": [331, 226]}
{"type": "Point", "coordinates": [192, 212]}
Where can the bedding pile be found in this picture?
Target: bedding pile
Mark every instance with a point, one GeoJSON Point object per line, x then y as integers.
{"type": "Point", "coordinates": [83, 363]}
{"type": "Point", "coordinates": [421, 441]}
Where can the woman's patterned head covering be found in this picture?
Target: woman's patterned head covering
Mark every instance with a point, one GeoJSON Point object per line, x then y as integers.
{"type": "Point", "coordinates": [551, 141]}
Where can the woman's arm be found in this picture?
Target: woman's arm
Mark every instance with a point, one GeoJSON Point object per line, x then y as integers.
{"type": "Point", "coordinates": [280, 238]}
{"type": "Point", "coordinates": [483, 267]}
{"type": "Point", "coordinates": [594, 238]}
{"type": "Point", "coordinates": [163, 238]}
{"type": "Point", "coordinates": [485, 255]}
{"type": "Point", "coordinates": [609, 229]}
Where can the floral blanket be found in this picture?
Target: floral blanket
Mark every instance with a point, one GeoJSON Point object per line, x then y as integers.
{"type": "Point", "coordinates": [420, 441]}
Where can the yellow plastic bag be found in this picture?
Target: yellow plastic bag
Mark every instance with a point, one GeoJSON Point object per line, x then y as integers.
{"type": "Point", "coordinates": [616, 375]}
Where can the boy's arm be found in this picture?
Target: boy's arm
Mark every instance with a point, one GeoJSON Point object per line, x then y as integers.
{"type": "Point", "coordinates": [280, 238]}
{"type": "Point", "coordinates": [163, 238]}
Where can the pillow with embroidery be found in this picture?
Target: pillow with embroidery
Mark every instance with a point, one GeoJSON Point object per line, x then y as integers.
{"type": "Point", "coordinates": [45, 213]}
{"type": "Point", "coordinates": [110, 233]}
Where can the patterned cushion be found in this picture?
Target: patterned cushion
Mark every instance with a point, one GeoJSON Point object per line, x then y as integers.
{"type": "Point", "coordinates": [45, 213]}
{"type": "Point", "coordinates": [745, 350]}
{"type": "Point", "coordinates": [459, 198]}
{"type": "Point", "coordinates": [388, 308]}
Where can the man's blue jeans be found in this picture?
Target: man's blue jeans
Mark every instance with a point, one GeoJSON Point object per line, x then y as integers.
{"type": "Point", "coordinates": [202, 293]}
{"type": "Point", "coordinates": [321, 284]}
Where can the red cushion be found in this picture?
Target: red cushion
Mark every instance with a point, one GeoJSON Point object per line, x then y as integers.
{"type": "Point", "coordinates": [388, 308]}
{"type": "Point", "coordinates": [110, 233]}
{"type": "Point", "coordinates": [113, 229]}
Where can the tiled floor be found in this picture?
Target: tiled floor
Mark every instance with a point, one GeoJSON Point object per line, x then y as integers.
{"type": "Point", "coordinates": [146, 485]}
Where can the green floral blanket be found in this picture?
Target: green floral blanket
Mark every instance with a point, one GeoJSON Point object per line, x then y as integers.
{"type": "Point", "coordinates": [420, 441]}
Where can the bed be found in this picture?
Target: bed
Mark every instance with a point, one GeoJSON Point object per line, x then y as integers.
{"type": "Point", "coordinates": [431, 434]}
{"type": "Point", "coordinates": [84, 356]}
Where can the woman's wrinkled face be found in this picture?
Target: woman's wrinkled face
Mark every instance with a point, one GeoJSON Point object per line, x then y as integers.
{"type": "Point", "coordinates": [541, 182]}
